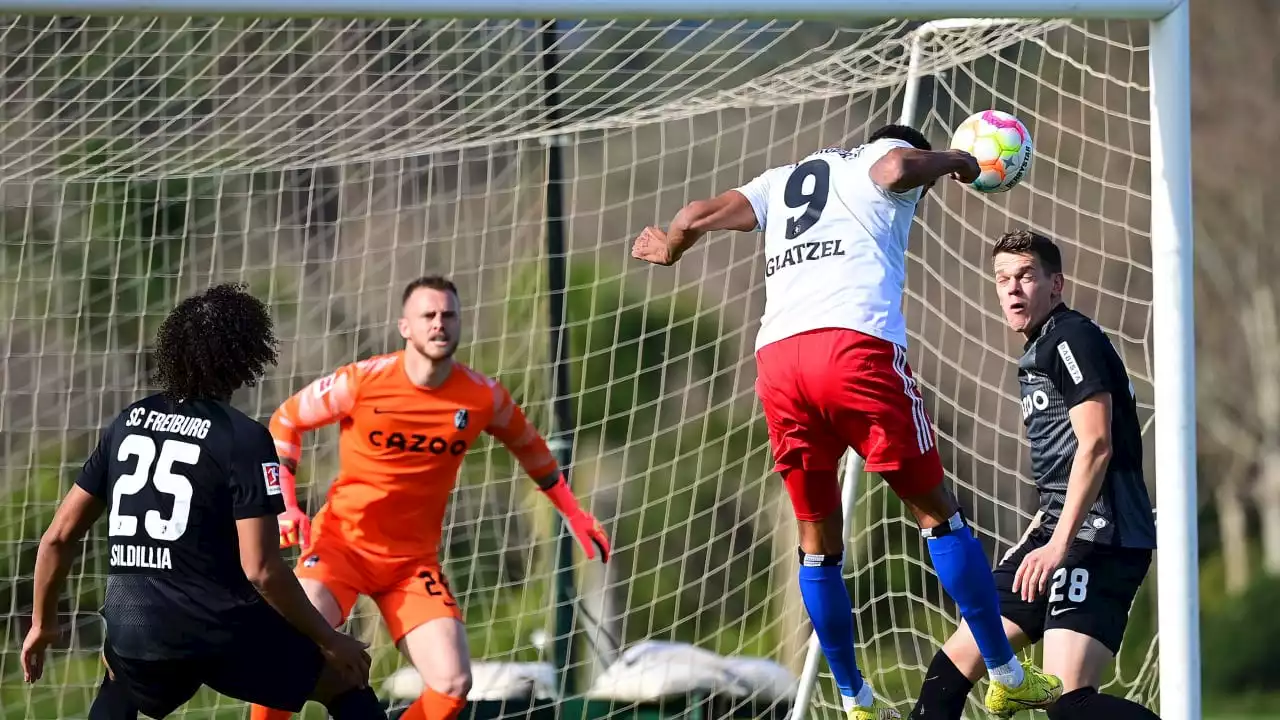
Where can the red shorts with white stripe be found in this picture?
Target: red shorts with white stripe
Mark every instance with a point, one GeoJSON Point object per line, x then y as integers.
{"type": "Point", "coordinates": [828, 390]}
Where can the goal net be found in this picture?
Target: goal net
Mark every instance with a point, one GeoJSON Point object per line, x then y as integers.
{"type": "Point", "coordinates": [325, 163]}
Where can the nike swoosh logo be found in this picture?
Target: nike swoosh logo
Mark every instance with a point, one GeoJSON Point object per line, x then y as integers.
{"type": "Point", "coordinates": [1058, 611]}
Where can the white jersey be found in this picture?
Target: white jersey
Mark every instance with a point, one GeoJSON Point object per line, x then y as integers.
{"type": "Point", "coordinates": [835, 245]}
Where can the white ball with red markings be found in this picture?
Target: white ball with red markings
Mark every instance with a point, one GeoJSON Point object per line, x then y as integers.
{"type": "Point", "coordinates": [1002, 146]}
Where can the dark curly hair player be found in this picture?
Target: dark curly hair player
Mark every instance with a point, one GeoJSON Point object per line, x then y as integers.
{"type": "Point", "coordinates": [193, 486]}
{"type": "Point", "coordinates": [214, 343]}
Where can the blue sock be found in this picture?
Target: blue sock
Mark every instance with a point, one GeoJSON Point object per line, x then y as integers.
{"type": "Point", "coordinates": [827, 600]}
{"type": "Point", "coordinates": [963, 569]}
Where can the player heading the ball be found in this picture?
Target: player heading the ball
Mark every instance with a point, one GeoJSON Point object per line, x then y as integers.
{"type": "Point", "coordinates": [407, 420]}
{"type": "Point", "coordinates": [197, 593]}
{"type": "Point", "coordinates": [833, 374]}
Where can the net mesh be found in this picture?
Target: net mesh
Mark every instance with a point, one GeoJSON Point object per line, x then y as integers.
{"type": "Point", "coordinates": [327, 163]}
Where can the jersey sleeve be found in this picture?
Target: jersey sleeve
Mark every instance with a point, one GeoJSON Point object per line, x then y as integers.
{"type": "Point", "coordinates": [323, 402]}
{"type": "Point", "coordinates": [757, 192]}
{"type": "Point", "coordinates": [510, 426]}
{"type": "Point", "coordinates": [93, 477]}
{"type": "Point", "coordinates": [872, 152]}
{"type": "Point", "coordinates": [255, 473]}
{"type": "Point", "coordinates": [1076, 362]}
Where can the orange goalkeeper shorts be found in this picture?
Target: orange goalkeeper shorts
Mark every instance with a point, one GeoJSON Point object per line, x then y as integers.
{"type": "Point", "coordinates": [408, 593]}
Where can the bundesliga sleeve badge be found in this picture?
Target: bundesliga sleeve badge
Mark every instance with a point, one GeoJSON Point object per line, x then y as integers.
{"type": "Point", "coordinates": [271, 474]}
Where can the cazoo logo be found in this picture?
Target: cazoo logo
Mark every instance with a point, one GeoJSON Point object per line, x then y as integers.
{"type": "Point", "coordinates": [1035, 401]}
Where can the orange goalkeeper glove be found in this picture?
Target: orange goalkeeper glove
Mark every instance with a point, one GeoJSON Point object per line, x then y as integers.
{"type": "Point", "coordinates": [295, 526]}
{"type": "Point", "coordinates": [585, 527]}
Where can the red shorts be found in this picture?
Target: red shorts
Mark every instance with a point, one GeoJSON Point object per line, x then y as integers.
{"type": "Point", "coordinates": [828, 390]}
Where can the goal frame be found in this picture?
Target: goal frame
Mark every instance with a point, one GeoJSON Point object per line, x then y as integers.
{"type": "Point", "coordinates": [1173, 324]}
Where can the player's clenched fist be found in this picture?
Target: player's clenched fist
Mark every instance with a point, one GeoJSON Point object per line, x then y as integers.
{"type": "Point", "coordinates": [652, 246]}
{"type": "Point", "coordinates": [295, 526]}
{"type": "Point", "coordinates": [967, 169]}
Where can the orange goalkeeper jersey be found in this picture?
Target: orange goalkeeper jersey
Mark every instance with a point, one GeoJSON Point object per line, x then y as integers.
{"type": "Point", "coordinates": [400, 448]}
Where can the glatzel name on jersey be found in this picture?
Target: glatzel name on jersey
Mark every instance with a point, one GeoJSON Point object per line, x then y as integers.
{"type": "Point", "coordinates": [834, 244]}
{"type": "Point", "coordinates": [800, 253]}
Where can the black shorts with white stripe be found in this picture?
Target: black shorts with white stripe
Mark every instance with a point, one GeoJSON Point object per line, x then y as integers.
{"type": "Point", "coordinates": [1091, 593]}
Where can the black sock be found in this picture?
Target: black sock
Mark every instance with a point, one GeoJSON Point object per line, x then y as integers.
{"type": "Point", "coordinates": [943, 692]}
{"type": "Point", "coordinates": [1089, 704]}
{"type": "Point", "coordinates": [112, 702]}
{"type": "Point", "coordinates": [357, 704]}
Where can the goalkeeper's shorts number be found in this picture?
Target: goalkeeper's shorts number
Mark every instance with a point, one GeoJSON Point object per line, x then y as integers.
{"type": "Point", "coordinates": [434, 582]}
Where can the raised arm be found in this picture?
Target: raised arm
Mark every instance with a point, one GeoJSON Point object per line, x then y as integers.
{"type": "Point", "coordinates": [323, 402]}
{"type": "Point", "coordinates": [512, 428]}
{"type": "Point", "coordinates": [730, 210]}
{"type": "Point", "coordinates": [906, 168]}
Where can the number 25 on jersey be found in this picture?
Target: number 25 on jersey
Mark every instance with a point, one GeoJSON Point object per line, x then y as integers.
{"type": "Point", "coordinates": [164, 479]}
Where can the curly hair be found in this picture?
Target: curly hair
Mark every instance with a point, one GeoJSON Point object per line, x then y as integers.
{"type": "Point", "coordinates": [214, 343]}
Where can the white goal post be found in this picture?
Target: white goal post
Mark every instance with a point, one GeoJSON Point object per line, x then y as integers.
{"type": "Point", "coordinates": [1174, 334]}
{"type": "Point", "coordinates": [1171, 341]}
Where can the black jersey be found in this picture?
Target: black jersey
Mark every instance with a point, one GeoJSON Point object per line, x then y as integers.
{"type": "Point", "coordinates": [1069, 360]}
{"type": "Point", "coordinates": [176, 477]}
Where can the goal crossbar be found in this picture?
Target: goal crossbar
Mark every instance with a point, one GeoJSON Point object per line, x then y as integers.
{"type": "Point", "coordinates": [801, 9]}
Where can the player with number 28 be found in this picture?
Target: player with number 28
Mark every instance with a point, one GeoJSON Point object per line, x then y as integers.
{"type": "Point", "coordinates": [1072, 578]}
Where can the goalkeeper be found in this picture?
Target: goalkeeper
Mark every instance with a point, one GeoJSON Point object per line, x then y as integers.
{"type": "Point", "coordinates": [407, 419]}
{"type": "Point", "coordinates": [1073, 577]}
{"type": "Point", "coordinates": [833, 374]}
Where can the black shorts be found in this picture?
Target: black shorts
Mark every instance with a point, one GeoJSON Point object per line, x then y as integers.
{"type": "Point", "coordinates": [1091, 593]}
{"type": "Point", "coordinates": [270, 664]}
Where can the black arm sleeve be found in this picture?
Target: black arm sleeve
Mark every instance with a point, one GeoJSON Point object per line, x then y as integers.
{"type": "Point", "coordinates": [255, 472]}
{"type": "Point", "coordinates": [93, 477]}
{"type": "Point", "coordinates": [1076, 362]}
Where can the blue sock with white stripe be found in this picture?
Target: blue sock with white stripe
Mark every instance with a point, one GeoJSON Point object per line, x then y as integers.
{"type": "Point", "coordinates": [964, 572]}
{"type": "Point", "coordinates": [827, 600]}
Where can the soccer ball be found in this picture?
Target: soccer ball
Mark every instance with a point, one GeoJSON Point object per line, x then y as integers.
{"type": "Point", "coordinates": [1002, 146]}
